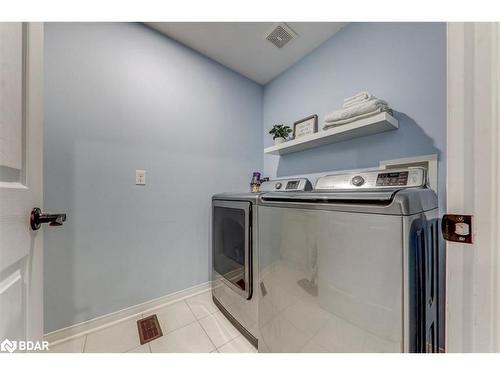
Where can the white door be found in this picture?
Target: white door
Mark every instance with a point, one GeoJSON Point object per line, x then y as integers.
{"type": "Point", "coordinates": [21, 249]}
{"type": "Point", "coordinates": [473, 186]}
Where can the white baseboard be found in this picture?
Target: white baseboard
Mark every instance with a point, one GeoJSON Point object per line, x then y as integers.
{"type": "Point", "coordinates": [107, 320]}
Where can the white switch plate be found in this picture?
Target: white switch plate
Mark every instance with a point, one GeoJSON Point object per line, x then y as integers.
{"type": "Point", "coordinates": [140, 177]}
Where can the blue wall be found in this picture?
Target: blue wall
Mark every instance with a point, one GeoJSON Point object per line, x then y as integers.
{"type": "Point", "coordinates": [121, 97]}
{"type": "Point", "coordinates": [404, 63]}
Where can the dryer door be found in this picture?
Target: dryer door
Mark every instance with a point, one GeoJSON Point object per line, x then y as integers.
{"type": "Point", "coordinates": [231, 245]}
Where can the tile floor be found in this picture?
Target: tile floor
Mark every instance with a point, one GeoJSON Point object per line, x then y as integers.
{"type": "Point", "coordinates": [193, 325]}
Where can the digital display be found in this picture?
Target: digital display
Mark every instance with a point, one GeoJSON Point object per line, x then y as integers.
{"type": "Point", "coordinates": [292, 185]}
{"type": "Point", "coordinates": [392, 179]}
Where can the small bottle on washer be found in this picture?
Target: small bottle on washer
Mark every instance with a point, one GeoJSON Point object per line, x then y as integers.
{"type": "Point", "coordinates": [256, 182]}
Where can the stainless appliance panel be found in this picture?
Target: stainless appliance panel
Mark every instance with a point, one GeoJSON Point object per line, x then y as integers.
{"type": "Point", "coordinates": [329, 281]}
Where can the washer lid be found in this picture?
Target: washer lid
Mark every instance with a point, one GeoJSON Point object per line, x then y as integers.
{"type": "Point", "coordinates": [388, 202]}
{"type": "Point", "coordinates": [376, 196]}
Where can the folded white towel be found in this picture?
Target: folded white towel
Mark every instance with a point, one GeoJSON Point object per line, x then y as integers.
{"type": "Point", "coordinates": [357, 99]}
{"type": "Point", "coordinates": [333, 124]}
{"type": "Point", "coordinates": [357, 102]}
{"type": "Point", "coordinates": [366, 107]}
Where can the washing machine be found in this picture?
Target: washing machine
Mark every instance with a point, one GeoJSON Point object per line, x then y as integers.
{"type": "Point", "coordinates": [350, 266]}
{"type": "Point", "coordinates": [235, 253]}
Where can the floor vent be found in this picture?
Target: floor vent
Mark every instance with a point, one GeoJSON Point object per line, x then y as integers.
{"type": "Point", "coordinates": [149, 329]}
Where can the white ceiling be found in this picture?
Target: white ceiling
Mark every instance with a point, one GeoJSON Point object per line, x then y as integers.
{"type": "Point", "coordinates": [242, 46]}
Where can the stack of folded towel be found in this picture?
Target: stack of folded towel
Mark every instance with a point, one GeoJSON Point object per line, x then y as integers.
{"type": "Point", "coordinates": [356, 107]}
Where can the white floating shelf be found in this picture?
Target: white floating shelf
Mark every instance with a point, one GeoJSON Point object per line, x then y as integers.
{"type": "Point", "coordinates": [375, 124]}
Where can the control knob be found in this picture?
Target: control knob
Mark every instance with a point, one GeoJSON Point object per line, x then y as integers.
{"type": "Point", "coordinates": [357, 181]}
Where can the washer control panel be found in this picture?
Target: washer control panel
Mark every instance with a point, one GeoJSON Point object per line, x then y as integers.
{"type": "Point", "coordinates": [392, 179]}
{"type": "Point", "coordinates": [292, 184]}
{"type": "Point", "coordinates": [386, 178]}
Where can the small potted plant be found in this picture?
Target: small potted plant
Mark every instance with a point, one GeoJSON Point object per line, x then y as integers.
{"type": "Point", "coordinates": [280, 133]}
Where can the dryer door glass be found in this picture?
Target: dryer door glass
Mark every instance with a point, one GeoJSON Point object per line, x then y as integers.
{"type": "Point", "coordinates": [231, 244]}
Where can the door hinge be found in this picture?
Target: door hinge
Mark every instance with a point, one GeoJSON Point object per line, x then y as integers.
{"type": "Point", "coordinates": [457, 228]}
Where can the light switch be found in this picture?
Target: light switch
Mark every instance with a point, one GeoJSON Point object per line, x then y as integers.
{"type": "Point", "coordinates": [140, 177]}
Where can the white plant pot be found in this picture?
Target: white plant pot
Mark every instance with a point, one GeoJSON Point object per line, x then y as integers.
{"type": "Point", "coordinates": [279, 140]}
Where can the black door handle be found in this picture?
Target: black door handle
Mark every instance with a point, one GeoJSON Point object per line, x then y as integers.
{"type": "Point", "coordinates": [38, 218]}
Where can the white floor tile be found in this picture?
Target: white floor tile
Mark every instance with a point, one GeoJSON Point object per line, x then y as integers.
{"type": "Point", "coordinates": [202, 304]}
{"type": "Point", "coordinates": [189, 339]}
{"type": "Point", "coordinates": [174, 316]}
{"type": "Point", "coordinates": [117, 338]}
{"type": "Point", "coordinates": [219, 329]}
{"type": "Point", "coordinates": [238, 345]}
{"type": "Point", "coordinates": [70, 346]}
{"type": "Point", "coordinates": [141, 349]}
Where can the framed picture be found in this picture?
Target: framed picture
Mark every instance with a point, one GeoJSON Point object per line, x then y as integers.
{"type": "Point", "coordinates": [308, 125]}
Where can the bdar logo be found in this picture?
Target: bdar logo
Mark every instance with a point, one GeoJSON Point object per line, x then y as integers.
{"type": "Point", "coordinates": [8, 346]}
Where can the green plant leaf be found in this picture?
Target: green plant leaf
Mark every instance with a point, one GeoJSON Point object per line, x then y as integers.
{"type": "Point", "coordinates": [280, 131]}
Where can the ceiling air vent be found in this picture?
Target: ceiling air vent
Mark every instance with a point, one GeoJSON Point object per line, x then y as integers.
{"type": "Point", "coordinates": [280, 35]}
